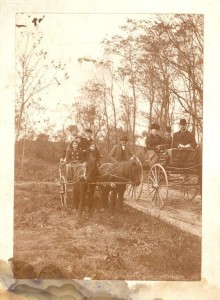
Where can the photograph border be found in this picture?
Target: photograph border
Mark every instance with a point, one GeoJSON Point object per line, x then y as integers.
{"type": "Point", "coordinates": [209, 285]}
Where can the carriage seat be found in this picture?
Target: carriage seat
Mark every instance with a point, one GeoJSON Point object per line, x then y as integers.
{"type": "Point", "coordinates": [179, 157]}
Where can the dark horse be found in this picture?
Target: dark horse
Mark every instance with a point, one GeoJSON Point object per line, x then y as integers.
{"type": "Point", "coordinates": [113, 179]}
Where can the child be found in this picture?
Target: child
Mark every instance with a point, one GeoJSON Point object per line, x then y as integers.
{"type": "Point", "coordinates": [73, 153]}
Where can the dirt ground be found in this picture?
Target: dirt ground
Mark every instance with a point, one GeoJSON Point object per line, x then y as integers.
{"type": "Point", "coordinates": [50, 243]}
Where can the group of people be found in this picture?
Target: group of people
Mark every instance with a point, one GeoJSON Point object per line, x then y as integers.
{"type": "Point", "coordinates": [182, 139]}
{"type": "Point", "coordinates": [82, 148]}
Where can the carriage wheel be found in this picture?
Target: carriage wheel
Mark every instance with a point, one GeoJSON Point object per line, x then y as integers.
{"type": "Point", "coordinates": [62, 190]}
{"type": "Point", "coordinates": [133, 192]}
{"type": "Point", "coordinates": [158, 185]}
{"type": "Point", "coordinates": [190, 187]}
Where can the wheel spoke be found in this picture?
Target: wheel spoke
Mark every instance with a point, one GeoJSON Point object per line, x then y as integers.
{"type": "Point", "coordinates": [159, 174]}
{"type": "Point", "coordinates": [152, 179]}
{"type": "Point", "coordinates": [163, 186]}
{"type": "Point", "coordinates": [155, 180]}
{"type": "Point", "coordinates": [161, 200]}
{"type": "Point", "coordinates": [153, 189]}
{"type": "Point", "coordinates": [156, 174]}
{"type": "Point", "coordinates": [162, 192]}
{"type": "Point", "coordinates": [155, 192]}
{"type": "Point", "coordinates": [162, 181]}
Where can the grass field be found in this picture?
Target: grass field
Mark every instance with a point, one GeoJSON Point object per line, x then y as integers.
{"type": "Point", "coordinates": [131, 245]}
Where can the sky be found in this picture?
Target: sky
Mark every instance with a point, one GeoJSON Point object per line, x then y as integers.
{"type": "Point", "coordinates": [67, 37]}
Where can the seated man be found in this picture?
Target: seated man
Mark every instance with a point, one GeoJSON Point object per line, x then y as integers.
{"type": "Point", "coordinates": [183, 139]}
{"type": "Point", "coordinates": [152, 142]}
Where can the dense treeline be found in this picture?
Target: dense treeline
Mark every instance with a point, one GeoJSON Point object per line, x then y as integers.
{"type": "Point", "coordinates": [150, 71]}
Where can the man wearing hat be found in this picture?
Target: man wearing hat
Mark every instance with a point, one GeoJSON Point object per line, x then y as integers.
{"type": "Point", "coordinates": [183, 139]}
{"type": "Point", "coordinates": [152, 142]}
{"type": "Point", "coordinates": [120, 152]}
{"type": "Point", "coordinates": [84, 143]}
{"type": "Point", "coordinates": [86, 140]}
{"type": "Point", "coordinates": [167, 138]}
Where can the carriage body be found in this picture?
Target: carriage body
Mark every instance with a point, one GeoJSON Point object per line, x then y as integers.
{"type": "Point", "coordinates": [177, 170]}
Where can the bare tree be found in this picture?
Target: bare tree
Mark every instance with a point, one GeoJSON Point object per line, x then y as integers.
{"type": "Point", "coordinates": [35, 73]}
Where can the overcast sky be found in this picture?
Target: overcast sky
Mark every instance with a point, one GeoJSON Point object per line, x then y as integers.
{"type": "Point", "coordinates": [67, 37]}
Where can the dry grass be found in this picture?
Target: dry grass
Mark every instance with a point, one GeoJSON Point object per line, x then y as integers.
{"type": "Point", "coordinates": [130, 246]}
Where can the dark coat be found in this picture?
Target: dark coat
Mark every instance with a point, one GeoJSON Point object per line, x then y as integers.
{"type": "Point", "coordinates": [118, 154]}
{"type": "Point", "coordinates": [152, 141]}
{"type": "Point", "coordinates": [184, 138]}
{"type": "Point", "coordinates": [74, 156]}
{"type": "Point", "coordinates": [167, 141]}
{"type": "Point", "coordinates": [85, 143]}
{"type": "Point", "coordinates": [96, 153]}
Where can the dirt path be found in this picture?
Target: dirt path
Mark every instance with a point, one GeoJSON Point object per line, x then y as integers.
{"type": "Point", "coordinates": [50, 243]}
{"type": "Point", "coordinates": [183, 214]}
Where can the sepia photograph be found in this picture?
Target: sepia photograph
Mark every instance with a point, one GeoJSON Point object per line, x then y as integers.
{"type": "Point", "coordinates": [108, 146]}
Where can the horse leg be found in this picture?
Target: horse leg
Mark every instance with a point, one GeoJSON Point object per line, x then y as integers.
{"type": "Point", "coordinates": [104, 197]}
{"type": "Point", "coordinates": [82, 189]}
{"type": "Point", "coordinates": [121, 192]}
{"type": "Point", "coordinates": [91, 198]}
{"type": "Point", "coordinates": [112, 200]}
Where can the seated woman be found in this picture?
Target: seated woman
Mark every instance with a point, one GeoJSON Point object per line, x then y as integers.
{"type": "Point", "coordinates": [152, 142]}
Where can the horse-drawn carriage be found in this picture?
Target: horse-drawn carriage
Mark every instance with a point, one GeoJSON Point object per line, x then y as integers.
{"type": "Point", "coordinates": [80, 182]}
{"type": "Point", "coordinates": [178, 170]}
{"type": "Point", "coordinates": [181, 172]}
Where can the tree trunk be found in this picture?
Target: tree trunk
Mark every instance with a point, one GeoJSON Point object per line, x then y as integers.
{"type": "Point", "coordinates": [22, 157]}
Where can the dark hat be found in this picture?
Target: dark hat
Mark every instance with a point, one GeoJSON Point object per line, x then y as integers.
{"type": "Point", "coordinates": [182, 122]}
{"type": "Point", "coordinates": [78, 136]}
{"type": "Point", "coordinates": [124, 138]}
{"type": "Point", "coordinates": [168, 129]}
{"type": "Point", "coordinates": [155, 126]}
{"type": "Point", "coordinates": [88, 130]}
{"type": "Point", "coordinates": [92, 143]}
